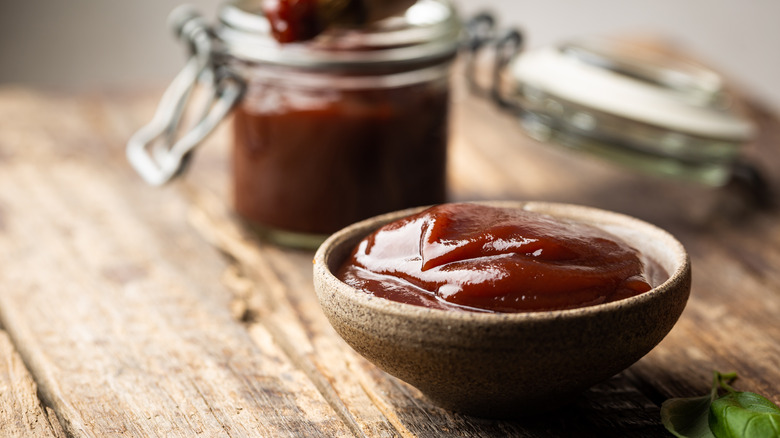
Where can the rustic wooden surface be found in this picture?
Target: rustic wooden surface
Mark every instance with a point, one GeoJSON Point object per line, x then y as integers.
{"type": "Point", "coordinates": [21, 412]}
{"type": "Point", "coordinates": [137, 311]}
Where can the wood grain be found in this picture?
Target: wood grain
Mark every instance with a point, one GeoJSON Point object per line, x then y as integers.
{"type": "Point", "coordinates": [121, 317]}
{"type": "Point", "coordinates": [21, 413]}
{"type": "Point", "coordinates": [144, 312]}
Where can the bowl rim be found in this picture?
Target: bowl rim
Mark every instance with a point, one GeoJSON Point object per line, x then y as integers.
{"type": "Point", "coordinates": [366, 226]}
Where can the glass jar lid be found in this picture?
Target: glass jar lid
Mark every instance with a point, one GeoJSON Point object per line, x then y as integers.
{"type": "Point", "coordinates": [428, 31]}
{"type": "Point", "coordinates": [638, 106]}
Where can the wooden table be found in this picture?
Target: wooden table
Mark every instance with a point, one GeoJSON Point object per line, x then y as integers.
{"type": "Point", "coordinates": [128, 310]}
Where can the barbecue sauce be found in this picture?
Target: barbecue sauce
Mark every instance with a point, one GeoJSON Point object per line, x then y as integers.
{"type": "Point", "coordinates": [482, 258]}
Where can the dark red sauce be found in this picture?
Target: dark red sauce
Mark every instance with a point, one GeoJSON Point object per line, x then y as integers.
{"type": "Point", "coordinates": [476, 257]}
{"type": "Point", "coordinates": [315, 161]}
{"type": "Point", "coordinates": [293, 20]}
{"type": "Point", "coordinates": [301, 20]}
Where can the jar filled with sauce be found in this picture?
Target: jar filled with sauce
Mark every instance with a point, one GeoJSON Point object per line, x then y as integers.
{"type": "Point", "coordinates": [327, 131]}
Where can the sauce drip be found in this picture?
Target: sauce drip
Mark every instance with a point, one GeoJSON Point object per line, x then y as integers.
{"type": "Point", "coordinates": [481, 258]}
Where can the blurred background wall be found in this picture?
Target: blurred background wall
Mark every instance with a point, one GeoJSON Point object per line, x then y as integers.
{"type": "Point", "coordinates": [94, 45]}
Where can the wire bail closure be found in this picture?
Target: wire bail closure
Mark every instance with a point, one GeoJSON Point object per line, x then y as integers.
{"type": "Point", "coordinates": [154, 150]}
{"type": "Point", "coordinates": [482, 33]}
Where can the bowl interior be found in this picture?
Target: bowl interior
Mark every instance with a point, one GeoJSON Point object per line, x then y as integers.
{"type": "Point", "coordinates": [651, 241]}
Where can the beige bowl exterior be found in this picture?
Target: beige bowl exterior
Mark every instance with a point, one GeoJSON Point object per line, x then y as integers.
{"type": "Point", "coordinates": [506, 365]}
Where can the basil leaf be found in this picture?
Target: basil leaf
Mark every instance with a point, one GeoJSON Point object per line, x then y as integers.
{"type": "Point", "coordinates": [744, 415]}
{"type": "Point", "coordinates": [687, 417]}
{"type": "Point", "coordinates": [734, 415]}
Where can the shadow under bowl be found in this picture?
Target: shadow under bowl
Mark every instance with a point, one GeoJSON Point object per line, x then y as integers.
{"type": "Point", "coordinates": [506, 365]}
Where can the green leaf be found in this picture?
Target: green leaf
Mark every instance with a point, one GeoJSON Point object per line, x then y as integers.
{"type": "Point", "coordinates": [744, 415]}
{"type": "Point", "coordinates": [687, 417]}
{"type": "Point", "coordinates": [733, 415]}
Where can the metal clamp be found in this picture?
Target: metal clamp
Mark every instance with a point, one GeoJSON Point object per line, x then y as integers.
{"type": "Point", "coordinates": [481, 33]}
{"type": "Point", "coordinates": [155, 151]}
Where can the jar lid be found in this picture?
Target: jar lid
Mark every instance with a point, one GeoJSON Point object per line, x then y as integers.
{"type": "Point", "coordinates": [642, 86]}
{"type": "Point", "coordinates": [429, 30]}
{"type": "Point", "coordinates": [630, 103]}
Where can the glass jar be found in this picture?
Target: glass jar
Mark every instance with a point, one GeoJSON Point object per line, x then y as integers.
{"type": "Point", "coordinates": [639, 104]}
{"type": "Point", "coordinates": [340, 128]}
{"type": "Point", "coordinates": [639, 107]}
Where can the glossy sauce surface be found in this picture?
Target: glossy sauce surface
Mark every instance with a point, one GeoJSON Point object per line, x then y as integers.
{"type": "Point", "coordinates": [481, 258]}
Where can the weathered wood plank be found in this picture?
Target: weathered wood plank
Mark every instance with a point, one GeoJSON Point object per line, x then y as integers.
{"type": "Point", "coordinates": [730, 324]}
{"type": "Point", "coordinates": [21, 413]}
{"type": "Point", "coordinates": [277, 304]}
{"type": "Point", "coordinates": [116, 306]}
{"type": "Point", "coordinates": [139, 269]}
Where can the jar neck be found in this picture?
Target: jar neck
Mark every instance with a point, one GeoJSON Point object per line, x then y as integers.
{"type": "Point", "coordinates": [342, 79]}
{"type": "Point", "coordinates": [429, 32]}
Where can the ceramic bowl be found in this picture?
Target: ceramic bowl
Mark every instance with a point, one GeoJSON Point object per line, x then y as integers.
{"type": "Point", "coordinates": [506, 365]}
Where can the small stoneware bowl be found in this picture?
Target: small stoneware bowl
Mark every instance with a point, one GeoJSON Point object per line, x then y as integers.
{"type": "Point", "coordinates": [506, 365]}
